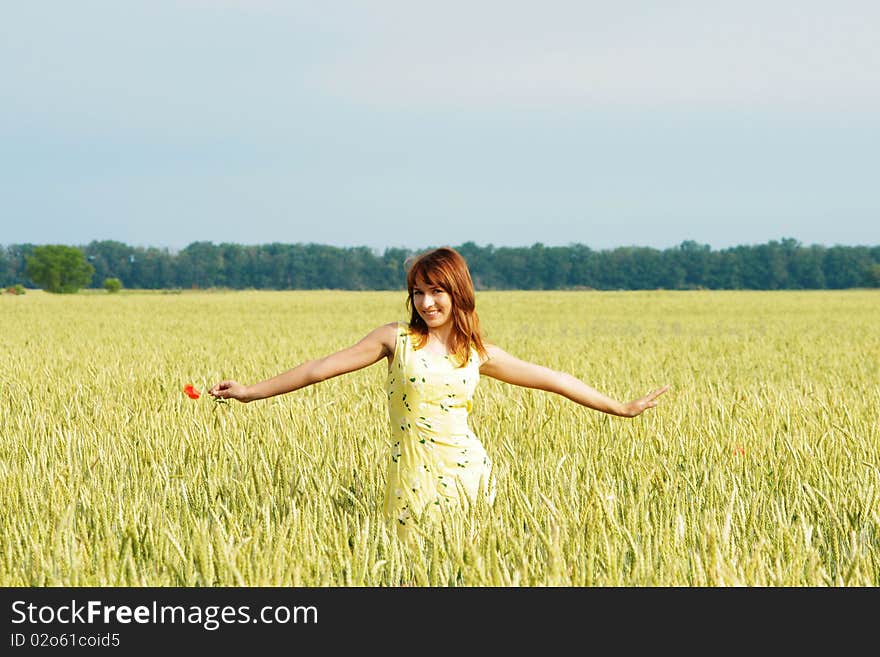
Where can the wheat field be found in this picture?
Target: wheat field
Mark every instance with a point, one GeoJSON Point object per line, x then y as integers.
{"type": "Point", "coordinates": [760, 467]}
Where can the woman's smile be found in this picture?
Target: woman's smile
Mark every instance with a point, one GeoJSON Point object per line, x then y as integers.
{"type": "Point", "coordinates": [434, 317]}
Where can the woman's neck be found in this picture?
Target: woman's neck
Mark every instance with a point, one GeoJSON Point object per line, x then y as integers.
{"type": "Point", "coordinates": [440, 336]}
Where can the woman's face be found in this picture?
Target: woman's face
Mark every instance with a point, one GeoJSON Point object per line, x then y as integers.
{"type": "Point", "coordinates": [433, 303]}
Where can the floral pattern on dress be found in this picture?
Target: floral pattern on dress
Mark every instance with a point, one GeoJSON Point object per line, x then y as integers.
{"type": "Point", "coordinates": [434, 453]}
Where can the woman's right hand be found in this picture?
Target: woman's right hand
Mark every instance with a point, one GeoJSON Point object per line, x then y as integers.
{"type": "Point", "coordinates": [230, 389]}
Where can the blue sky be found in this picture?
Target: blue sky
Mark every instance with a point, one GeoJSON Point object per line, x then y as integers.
{"type": "Point", "coordinates": [159, 123]}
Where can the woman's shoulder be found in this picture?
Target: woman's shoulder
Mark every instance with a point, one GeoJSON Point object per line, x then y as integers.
{"type": "Point", "coordinates": [394, 331]}
{"type": "Point", "coordinates": [492, 353]}
{"type": "Point", "coordinates": [386, 334]}
{"type": "Point", "coordinates": [400, 329]}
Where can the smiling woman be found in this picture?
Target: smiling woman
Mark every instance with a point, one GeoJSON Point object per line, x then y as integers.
{"type": "Point", "coordinates": [436, 463]}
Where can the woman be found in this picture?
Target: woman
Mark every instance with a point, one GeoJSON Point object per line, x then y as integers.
{"type": "Point", "coordinates": [434, 363]}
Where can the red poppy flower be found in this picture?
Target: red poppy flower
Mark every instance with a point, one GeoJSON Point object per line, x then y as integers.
{"type": "Point", "coordinates": [191, 392]}
{"type": "Point", "coordinates": [739, 450]}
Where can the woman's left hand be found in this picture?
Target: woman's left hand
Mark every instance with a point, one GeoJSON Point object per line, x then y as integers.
{"type": "Point", "coordinates": [638, 406]}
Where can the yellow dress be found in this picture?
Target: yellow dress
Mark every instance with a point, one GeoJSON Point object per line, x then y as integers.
{"type": "Point", "coordinates": [435, 457]}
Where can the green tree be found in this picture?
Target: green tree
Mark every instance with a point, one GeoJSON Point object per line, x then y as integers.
{"type": "Point", "coordinates": [112, 285]}
{"type": "Point", "coordinates": [111, 259]}
{"type": "Point", "coordinates": [5, 268]}
{"type": "Point", "coordinates": [58, 268]}
{"type": "Point", "coordinates": [200, 265]}
{"type": "Point", "coordinates": [695, 260]}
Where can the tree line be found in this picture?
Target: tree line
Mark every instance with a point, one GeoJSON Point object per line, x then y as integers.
{"type": "Point", "coordinates": [777, 265]}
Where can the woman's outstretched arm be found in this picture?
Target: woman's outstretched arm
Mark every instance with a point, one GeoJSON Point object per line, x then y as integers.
{"type": "Point", "coordinates": [372, 348]}
{"type": "Point", "coordinates": [504, 367]}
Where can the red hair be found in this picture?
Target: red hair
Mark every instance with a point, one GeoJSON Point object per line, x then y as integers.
{"type": "Point", "coordinates": [445, 268]}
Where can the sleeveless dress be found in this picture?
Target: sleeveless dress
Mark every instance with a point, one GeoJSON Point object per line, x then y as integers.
{"type": "Point", "coordinates": [436, 464]}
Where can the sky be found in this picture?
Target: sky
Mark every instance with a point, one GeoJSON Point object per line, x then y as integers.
{"type": "Point", "coordinates": [412, 124]}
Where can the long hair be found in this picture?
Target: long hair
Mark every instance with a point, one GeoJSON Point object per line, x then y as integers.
{"type": "Point", "coordinates": [445, 268]}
